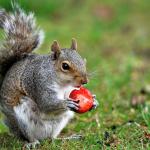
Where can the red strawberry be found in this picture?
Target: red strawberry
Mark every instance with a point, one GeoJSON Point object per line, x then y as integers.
{"type": "Point", "coordinates": [84, 97]}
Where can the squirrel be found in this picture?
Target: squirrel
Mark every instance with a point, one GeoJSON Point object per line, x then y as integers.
{"type": "Point", "coordinates": [33, 86]}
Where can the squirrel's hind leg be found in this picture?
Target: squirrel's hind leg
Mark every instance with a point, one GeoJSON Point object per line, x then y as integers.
{"type": "Point", "coordinates": [30, 122]}
{"type": "Point", "coordinates": [11, 123]}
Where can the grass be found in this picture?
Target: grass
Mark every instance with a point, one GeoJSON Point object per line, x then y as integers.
{"type": "Point", "coordinates": [114, 36]}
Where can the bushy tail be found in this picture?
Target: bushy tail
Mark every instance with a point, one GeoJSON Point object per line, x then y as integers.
{"type": "Point", "coordinates": [21, 35]}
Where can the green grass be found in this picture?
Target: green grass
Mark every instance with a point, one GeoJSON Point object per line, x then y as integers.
{"type": "Point", "coordinates": [114, 36]}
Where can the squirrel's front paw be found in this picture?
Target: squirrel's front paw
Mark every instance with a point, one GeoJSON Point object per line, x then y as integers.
{"type": "Point", "coordinates": [96, 103]}
{"type": "Point", "coordinates": [73, 105]}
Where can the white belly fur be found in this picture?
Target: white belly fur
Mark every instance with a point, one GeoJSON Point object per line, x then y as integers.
{"type": "Point", "coordinates": [51, 127]}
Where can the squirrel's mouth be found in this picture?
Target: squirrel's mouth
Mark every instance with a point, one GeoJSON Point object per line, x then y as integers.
{"type": "Point", "coordinates": [78, 86]}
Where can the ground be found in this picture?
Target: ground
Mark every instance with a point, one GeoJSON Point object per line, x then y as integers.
{"type": "Point", "coordinates": [114, 37]}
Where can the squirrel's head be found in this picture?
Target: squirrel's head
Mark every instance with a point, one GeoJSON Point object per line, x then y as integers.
{"type": "Point", "coordinates": [70, 66]}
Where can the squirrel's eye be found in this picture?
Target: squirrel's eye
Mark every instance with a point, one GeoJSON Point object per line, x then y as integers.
{"type": "Point", "coordinates": [65, 66]}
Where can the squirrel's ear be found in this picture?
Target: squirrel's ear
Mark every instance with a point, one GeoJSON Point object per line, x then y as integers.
{"type": "Point", "coordinates": [55, 49]}
{"type": "Point", "coordinates": [74, 44]}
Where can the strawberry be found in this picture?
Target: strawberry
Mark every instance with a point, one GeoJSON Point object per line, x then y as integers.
{"type": "Point", "coordinates": [84, 97]}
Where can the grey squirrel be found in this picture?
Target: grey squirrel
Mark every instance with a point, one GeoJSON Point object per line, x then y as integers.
{"type": "Point", "coordinates": [32, 86]}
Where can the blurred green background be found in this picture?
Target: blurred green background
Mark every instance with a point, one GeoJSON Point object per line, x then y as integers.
{"type": "Point", "coordinates": [114, 36]}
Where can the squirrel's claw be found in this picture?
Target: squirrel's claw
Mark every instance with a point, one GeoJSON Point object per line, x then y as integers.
{"type": "Point", "coordinates": [94, 96]}
{"type": "Point", "coordinates": [96, 103]}
{"type": "Point", "coordinates": [32, 145]}
{"type": "Point", "coordinates": [73, 105]}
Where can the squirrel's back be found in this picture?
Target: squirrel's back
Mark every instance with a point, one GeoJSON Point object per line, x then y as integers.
{"type": "Point", "coordinates": [21, 34]}
{"type": "Point", "coordinates": [18, 79]}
